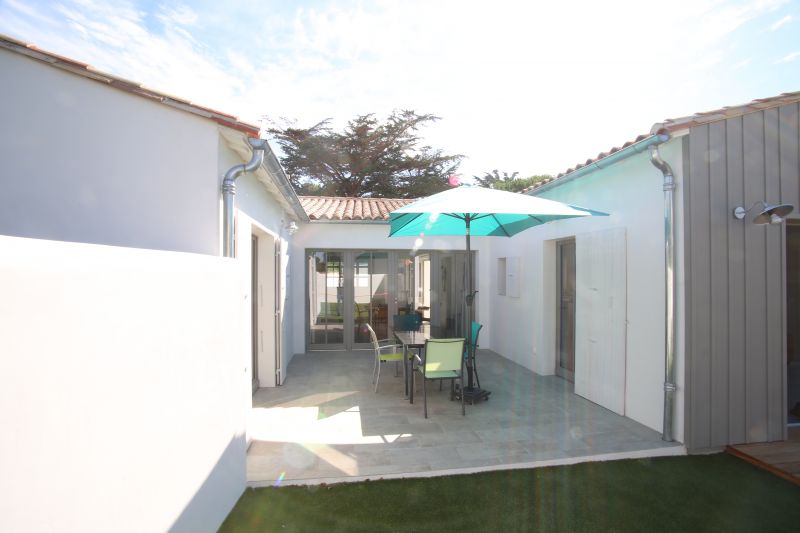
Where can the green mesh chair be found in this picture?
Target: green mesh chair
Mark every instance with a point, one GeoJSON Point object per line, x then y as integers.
{"type": "Point", "coordinates": [444, 359]}
{"type": "Point", "coordinates": [383, 353]}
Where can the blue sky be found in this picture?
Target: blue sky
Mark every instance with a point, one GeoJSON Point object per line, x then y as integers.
{"type": "Point", "coordinates": [529, 88]}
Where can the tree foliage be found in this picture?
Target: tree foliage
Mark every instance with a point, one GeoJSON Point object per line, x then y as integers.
{"type": "Point", "coordinates": [508, 182]}
{"type": "Point", "coordinates": [368, 158]}
{"type": "Point", "coordinates": [492, 178]}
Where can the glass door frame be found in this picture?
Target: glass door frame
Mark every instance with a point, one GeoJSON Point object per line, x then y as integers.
{"type": "Point", "coordinates": [791, 294]}
{"type": "Point", "coordinates": [391, 296]}
{"type": "Point", "coordinates": [436, 313]}
{"type": "Point", "coordinates": [348, 294]}
{"type": "Point", "coordinates": [565, 373]}
{"type": "Point", "coordinates": [311, 253]}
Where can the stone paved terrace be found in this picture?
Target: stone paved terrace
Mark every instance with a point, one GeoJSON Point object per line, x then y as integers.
{"type": "Point", "coordinates": [326, 425]}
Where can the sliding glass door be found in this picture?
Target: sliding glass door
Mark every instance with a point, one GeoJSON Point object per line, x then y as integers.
{"type": "Point", "coordinates": [370, 296]}
{"type": "Point", "coordinates": [327, 299]}
{"type": "Point", "coordinates": [348, 289]}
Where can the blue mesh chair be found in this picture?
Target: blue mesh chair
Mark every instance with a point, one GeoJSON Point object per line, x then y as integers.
{"type": "Point", "coordinates": [409, 322]}
{"type": "Point", "coordinates": [475, 332]}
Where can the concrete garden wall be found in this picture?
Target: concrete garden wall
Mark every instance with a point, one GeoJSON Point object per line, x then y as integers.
{"type": "Point", "coordinates": [123, 388]}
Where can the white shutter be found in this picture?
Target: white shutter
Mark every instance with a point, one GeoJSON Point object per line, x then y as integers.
{"type": "Point", "coordinates": [600, 322]}
{"type": "Point", "coordinates": [512, 277]}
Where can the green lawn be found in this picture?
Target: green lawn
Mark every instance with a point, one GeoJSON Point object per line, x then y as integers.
{"type": "Point", "coordinates": [685, 494]}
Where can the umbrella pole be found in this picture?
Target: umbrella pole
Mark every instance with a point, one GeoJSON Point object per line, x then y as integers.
{"type": "Point", "coordinates": [470, 311]}
{"type": "Point", "coordinates": [471, 394]}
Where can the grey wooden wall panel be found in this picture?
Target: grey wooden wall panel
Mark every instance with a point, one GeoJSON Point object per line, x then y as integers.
{"type": "Point", "coordinates": [736, 277]}
{"type": "Point", "coordinates": [700, 296]}
{"type": "Point", "coordinates": [755, 282]}
{"type": "Point", "coordinates": [789, 123]}
{"type": "Point", "coordinates": [776, 416]}
{"type": "Point", "coordinates": [718, 293]}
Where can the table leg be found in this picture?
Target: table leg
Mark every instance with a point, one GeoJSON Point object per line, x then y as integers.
{"type": "Point", "coordinates": [411, 380]}
{"type": "Point", "coordinates": [406, 373]}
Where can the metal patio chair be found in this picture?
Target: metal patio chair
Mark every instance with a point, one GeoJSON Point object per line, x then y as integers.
{"type": "Point", "coordinates": [444, 359]}
{"type": "Point", "coordinates": [382, 356]}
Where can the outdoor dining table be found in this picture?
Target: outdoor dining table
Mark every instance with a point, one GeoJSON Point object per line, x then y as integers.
{"type": "Point", "coordinates": [414, 340]}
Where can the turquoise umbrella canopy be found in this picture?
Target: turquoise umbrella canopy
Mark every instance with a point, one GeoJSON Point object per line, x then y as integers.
{"type": "Point", "coordinates": [489, 212]}
{"type": "Point", "coordinates": [481, 212]}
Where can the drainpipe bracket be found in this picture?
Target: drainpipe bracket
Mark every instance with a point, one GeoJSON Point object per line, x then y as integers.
{"type": "Point", "coordinates": [670, 387]}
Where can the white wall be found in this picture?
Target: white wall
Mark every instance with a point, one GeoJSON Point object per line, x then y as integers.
{"type": "Point", "coordinates": [134, 398]}
{"type": "Point", "coordinates": [123, 388]}
{"type": "Point", "coordinates": [252, 196]}
{"type": "Point", "coordinates": [375, 237]}
{"type": "Point", "coordinates": [87, 163]}
{"type": "Point", "coordinates": [259, 213]}
{"type": "Point", "coordinates": [524, 328]}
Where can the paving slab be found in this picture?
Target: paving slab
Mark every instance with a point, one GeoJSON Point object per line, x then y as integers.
{"type": "Point", "coordinates": [325, 424]}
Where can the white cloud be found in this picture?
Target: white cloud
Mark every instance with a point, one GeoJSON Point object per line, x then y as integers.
{"type": "Point", "coordinates": [182, 15]}
{"type": "Point", "coordinates": [721, 18]}
{"type": "Point", "coordinates": [525, 87]}
{"type": "Point", "coordinates": [788, 58]}
{"type": "Point", "coordinates": [780, 23]}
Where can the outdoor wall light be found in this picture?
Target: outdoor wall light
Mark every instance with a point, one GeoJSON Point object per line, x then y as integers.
{"type": "Point", "coordinates": [769, 214]}
{"type": "Point", "coordinates": [291, 227]}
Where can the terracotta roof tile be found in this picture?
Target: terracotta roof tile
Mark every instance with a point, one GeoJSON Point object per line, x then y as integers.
{"type": "Point", "coordinates": [355, 209]}
{"type": "Point", "coordinates": [87, 71]}
{"type": "Point", "coordinates": [676, 124]}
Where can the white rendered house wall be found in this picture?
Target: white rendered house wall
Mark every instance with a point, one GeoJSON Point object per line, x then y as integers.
{"type": "Point", "coordinates": [259, 214]}
{"type": "Point", "coordinates": [85, 162]}
{"type": "Point", "coordinates": [349, 236]}
{"type": "Point", "coordinates": [525, 328]}
{"type": "Point", "coordinates": [88, 163]}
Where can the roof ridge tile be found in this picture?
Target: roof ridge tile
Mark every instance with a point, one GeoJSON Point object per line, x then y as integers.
{"type": "Point", "coordinates": [680, 123]}
{"type": "Point", "coordinates": [349, 208]}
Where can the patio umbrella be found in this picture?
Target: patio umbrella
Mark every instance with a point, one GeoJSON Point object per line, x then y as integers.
{"type": "Point", "coordinates": [481, 212]}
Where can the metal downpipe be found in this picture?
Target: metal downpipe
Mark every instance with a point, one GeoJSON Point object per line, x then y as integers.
{"type": "Point", "coordinates": [259, 147]}
{"type": "Point", "coordinates": [669, 256]}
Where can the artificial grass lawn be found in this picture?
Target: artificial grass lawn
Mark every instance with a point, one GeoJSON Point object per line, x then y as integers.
{"type": "Point", "coordinates": [694, 493]}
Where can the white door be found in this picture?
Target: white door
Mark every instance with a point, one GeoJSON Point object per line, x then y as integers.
{"type": "Point", "coordinates": [600, 322]}
{"type": "Point", "coordinates": [265, 327]}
